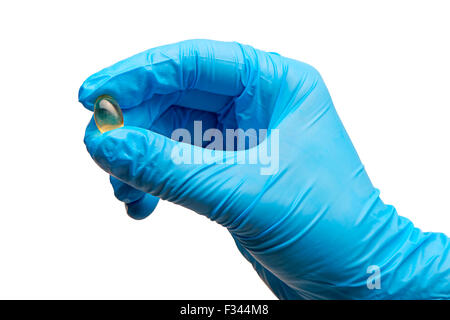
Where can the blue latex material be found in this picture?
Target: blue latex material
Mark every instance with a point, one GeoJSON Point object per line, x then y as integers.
{"type": "Point", "coordinates": [311, 230]}
{"type": "Point", "coordinates": [137, 203]}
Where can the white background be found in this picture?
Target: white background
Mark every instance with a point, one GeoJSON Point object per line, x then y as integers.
{"type": "Point", "coordinates": [62, 232]}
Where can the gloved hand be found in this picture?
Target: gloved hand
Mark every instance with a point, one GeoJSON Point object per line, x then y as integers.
{"type": "Point", "coordinates": [314, 227]}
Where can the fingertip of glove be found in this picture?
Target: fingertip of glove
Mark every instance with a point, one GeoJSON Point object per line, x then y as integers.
{"type": "Point", "coordinates": [116, 149]}
{"type": "Point", "coordinates": [103, 149]}
{"type": "Point", "coordinates": [88, 90]}
{"type": "Point", "coordinates": [83, 98]}
{"type": "Point", "coordinates": [142, 208]}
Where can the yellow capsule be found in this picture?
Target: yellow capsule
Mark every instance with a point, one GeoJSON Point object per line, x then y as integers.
{"type": "Point", "coordinates": [107, 114]}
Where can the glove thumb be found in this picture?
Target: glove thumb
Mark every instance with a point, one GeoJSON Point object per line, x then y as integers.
{"type": "Point", "coordinates": [179, 172]}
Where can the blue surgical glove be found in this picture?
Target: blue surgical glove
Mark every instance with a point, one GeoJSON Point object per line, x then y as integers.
{"type": "Point", "coordinates": [312, 225]}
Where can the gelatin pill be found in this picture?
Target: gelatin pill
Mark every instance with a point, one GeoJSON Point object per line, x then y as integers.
{"type": "Point", "coordinates": [107, 114]}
